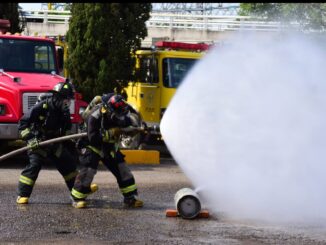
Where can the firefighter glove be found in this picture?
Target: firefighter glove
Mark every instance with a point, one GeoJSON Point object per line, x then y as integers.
{"type": "Point", "coordinates": [105, 135]}
{"type": "Point", "coordinates": [114, 132]}
{"type": "Point", "coordinates": [26, 134]}
{"type": "Point", "coordinates": [33, 143]}
{"type": "Point", "coordinates": [110, 135]}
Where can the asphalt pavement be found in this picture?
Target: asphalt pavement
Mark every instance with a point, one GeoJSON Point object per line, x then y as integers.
{"type": "Point", "coordinates": [49, 218]}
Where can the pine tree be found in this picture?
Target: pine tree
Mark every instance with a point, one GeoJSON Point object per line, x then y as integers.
{"type": "Point", "coordinates": [101, 37]}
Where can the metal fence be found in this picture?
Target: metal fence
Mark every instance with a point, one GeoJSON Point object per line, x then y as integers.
{"type": "Point", "coordinates": [47, 16]}
{"type": "Point", "coordinates": [210, 22]}
{"type": "Point", "coordinates": [164, 20]}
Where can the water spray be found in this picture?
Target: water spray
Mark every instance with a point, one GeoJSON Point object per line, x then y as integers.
{"type": "Point", "coordinates": [248, 123]}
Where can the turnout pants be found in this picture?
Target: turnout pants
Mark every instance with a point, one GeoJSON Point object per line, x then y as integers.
{"type": "Point", "coordinates": [114, 162]}
{"type": "Point", "coordinates": [63, 160]}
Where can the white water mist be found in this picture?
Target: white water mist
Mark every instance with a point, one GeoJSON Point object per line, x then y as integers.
{"type": "Point", "coordinates": [248, 127]}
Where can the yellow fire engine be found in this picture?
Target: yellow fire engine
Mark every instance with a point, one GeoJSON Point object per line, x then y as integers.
{"type": "Point", "coordinates": [159, 72]}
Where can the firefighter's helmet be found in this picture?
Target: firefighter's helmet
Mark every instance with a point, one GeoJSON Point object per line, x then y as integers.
{"type": "Point", "coordinates": [64, 89]}
{"type": "Point", "coordinates": [118, 105]}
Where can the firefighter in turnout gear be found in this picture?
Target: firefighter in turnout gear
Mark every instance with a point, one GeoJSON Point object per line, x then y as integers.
{"type": "Point", "coordinates": [104, 125]}
{"type": "Point", "coordinates": [49, 118]}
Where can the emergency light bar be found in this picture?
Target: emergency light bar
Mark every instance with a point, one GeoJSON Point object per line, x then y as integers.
{"type": "Point", "coordinates": [56, 37]}
{"type": "Point", "coordinates": [179, 45]}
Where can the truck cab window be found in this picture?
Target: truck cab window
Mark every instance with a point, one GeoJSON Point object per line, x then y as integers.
{"type": "Point", "coordinates": [175, 70]}
{"type": "Point", "coordinates": [26, 56]}
{"type": "Point", "coordinates": [148, 70]}
{"type": "Point", "coordinates": [43, 59]}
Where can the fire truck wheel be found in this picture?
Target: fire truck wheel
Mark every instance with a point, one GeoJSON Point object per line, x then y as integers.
{"type": "Point", "coordinates": [131, 142]}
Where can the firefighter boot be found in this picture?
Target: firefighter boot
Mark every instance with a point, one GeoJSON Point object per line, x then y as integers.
{"type": "Point", "coordinates": [22, 200]}
{"type": "Point", "coordinates": [94, 188]}
{"type": "Point", "coordinates": [79, 204]}
{"type": "Point", "coordinates": [133, 202]}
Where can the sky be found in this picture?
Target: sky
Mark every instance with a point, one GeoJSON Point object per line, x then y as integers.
{"type": "Point", "coordinates": [31, 6]}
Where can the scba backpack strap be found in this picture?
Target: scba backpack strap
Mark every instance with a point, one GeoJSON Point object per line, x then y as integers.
{"type": "Point", "coordinates": [95, 101]}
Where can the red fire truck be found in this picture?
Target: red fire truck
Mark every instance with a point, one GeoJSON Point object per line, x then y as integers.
{"type": "Point", "coordinates": [28, 68]}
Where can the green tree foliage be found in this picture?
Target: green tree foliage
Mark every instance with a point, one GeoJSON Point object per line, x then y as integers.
{"type": "Point", "coordinates": [67, 7]}
{"type": "Point", "coordinates": [101, 37]}
{"type": "Point", "coordinates": [310, 16]}
{"type": "Point", "coordinates": [10, 12]}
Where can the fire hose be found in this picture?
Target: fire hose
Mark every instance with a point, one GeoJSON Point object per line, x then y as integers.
{"type": "Point", "coordinates": [63, 138]}
{"type": "Point", "coordinates": [43, 143]}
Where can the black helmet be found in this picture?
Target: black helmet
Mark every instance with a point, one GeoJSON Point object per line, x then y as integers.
{"type": "Point", "coordinates": [65, 90]}
{"type": "Point", "coordinates": [117, 104]}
